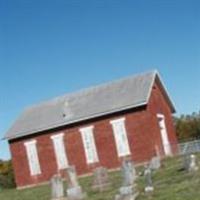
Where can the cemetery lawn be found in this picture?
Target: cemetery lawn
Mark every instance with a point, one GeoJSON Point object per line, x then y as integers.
{"type": "Point", "coordinates": [170, 183]}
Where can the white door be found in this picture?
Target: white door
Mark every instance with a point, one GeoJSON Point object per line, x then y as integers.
{"type": "Point", "coordinates": [164, 135]}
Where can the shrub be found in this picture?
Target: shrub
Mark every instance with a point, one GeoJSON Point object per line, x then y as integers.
{"type": "Point", "coordinates": [6, 175]}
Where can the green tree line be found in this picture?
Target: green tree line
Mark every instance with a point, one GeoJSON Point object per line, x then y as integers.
{"type": "Point", "coordinates": [188, 126]}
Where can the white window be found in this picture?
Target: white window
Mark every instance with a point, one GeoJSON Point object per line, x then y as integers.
{"type": "Point", "coordinates": [32, 155]}
{"type": "Point", "coordinates": [120, 136]}
{"type": "Point", "coordinates": [164, 135]}
{"type": "Point", "coordinates": [59, 149]}
{"type": "Point", "coordinates": [89, 144]}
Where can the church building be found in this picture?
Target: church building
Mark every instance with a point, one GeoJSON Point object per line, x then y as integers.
{"type": "Point", "coordinates": [130, 118]}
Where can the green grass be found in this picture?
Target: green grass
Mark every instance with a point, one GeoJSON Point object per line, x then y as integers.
{"type": "Point", "coordinates": [170, 183]}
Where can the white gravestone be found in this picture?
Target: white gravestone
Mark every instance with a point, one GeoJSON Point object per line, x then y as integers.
{"type": "Point", "coordinates": [186, 162]}
{"type": "Point", "coordinates": [74, 190]}
{"type": "Point", "coordinates": [148, 179]}
{"type": "Point", "coordinates": [101, 180]}
{"type": "Point", "coordinates": [57, 189]}
{"type": "Point", "coordinates": [128, 173]}
{"type": "Point", "coordinates": [155, 163]}
{"type": "Point", "coordinates": [193, 163]}
{"type": "Point", "coordinates": [127, 191]}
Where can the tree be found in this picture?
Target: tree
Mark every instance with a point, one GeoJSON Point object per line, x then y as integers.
{"type": "Point", "coordinates": [6, 175]}
{"type": "Point", "coordinates": [188, 126]}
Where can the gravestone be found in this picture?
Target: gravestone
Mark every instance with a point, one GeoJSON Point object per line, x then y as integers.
{"type": "Point", "coordinates": [155, 163]}
{"type": "Point", "coordinates": [148, 179]}
{"type": "Point", "coordinates": [128, 190]}
{"type": "Point", "coordinates": [128, 173]}
{"type": "Point", "coordinates": [193, 163]}
{"type": "Point", "coordinates": [186, 162]}
{"type": "Point", "coordinates": [74, 190]}
{"type": "Point", "coordinates": [101, 180]}
{"type": "Point", "coordinates": [57, 189]}
{"type": "Point", "coordinates": [126, 193]}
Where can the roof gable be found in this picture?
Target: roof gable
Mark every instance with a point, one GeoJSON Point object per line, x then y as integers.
{"type": "Point", "coordinates": [93, 102]}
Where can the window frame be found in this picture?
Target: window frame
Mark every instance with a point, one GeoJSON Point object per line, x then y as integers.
{"type": "Point", "coordinates": [33, 157]}
{"type": "Point", "coordinates": [87, 135]}
{"type": "Point", "coordinates": [121, 137]}
{"type": "Point", "coordinates": [60, 151]}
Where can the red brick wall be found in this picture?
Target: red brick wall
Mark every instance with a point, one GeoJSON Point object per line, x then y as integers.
{"type": "Point", "coordinates": [158, 104]}
{"type": "Point", "coordinates": [142, 130]}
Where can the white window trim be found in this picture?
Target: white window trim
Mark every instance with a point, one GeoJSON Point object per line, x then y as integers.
{"type": "Point", "coordinates": [84, 131]}
{"type": "Point", "coordinates": [59, 135]}
{"type": "Point", "coordinates": [60, 154]}
{"type": "Point", "coordinates": [86, 128]}
{"type": "Point", "coordinates": [30, 142]}
{"type": "Point", "coordinates": [33, 167]}
{"type": "Point", "coordinates": [159, 115]}
{"type": "Point", "coordinates": [118, 140]}
{"type": "Point", "coordinates": [115, 121]}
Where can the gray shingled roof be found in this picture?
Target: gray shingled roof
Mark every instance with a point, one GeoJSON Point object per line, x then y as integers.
{"type": "Point", "coordinates": [88, 103]}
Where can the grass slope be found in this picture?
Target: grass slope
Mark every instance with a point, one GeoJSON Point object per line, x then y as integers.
{"type": "Point", "coordinates": [170, 183]}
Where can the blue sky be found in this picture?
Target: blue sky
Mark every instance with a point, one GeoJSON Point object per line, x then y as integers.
{"type": "Point", "coordinates": [48, 48]}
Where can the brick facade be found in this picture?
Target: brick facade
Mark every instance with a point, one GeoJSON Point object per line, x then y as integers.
{"type": "Point", "coordinates": [142, 130]}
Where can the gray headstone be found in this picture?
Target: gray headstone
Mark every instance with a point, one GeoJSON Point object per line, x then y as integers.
{"type": "Point", "coordinates": [101, 179]}
{"type": "Point", "coordinates": [128, 173]}
{"type": "Point", "coordinates": [193, 163]}
{"type": "Point", "coordinates": [72, 177]}
{"type": "Point", "coordinates": [75, 193]}
{"type": "Point", "coordinates": [186, 162]}
{"type": "Point", "coordinates": [57, 189]}
{"type": "Point", "coordinates": [155, 163]}
{"type": "Point", "coordinates": [148, 179]}
{"type": "Point", "coordinates": [74, 190]}
{"type": "Point", "coordinates": [127, 191]}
